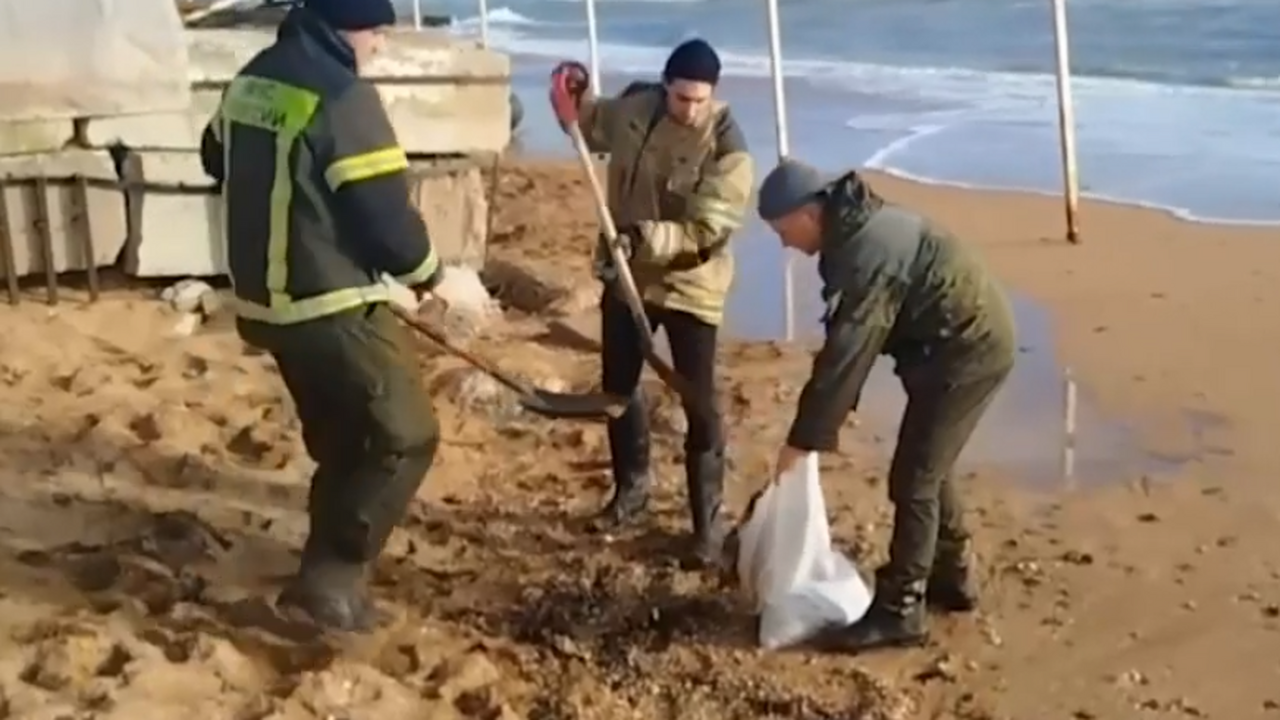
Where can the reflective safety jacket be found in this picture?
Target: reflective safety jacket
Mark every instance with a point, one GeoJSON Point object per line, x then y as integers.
{"type": "Point", "coordinates": [315, 186]}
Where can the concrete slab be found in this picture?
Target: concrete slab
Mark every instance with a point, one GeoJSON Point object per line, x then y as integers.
{"type": "Point", "coordinates": [453, 199]}
{"type": "Point", "coordinates": [166, 131]}
{"type": "Point", "coordinates": [179, 234]}
{"type": "Point", "coordinates": [106, 210]}
{"type": "Point", "coordinates": [33, 136]}
{"type": "Point", "coordinates": [443, 96]}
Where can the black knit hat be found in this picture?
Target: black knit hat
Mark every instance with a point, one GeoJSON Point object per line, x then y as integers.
{"type": "Point", "coordinates": [353, 14]}
{"type": "Point", "coordinates": [693, 60]}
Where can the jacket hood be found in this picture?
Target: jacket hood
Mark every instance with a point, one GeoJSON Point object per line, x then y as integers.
{"type": "Point", "coordinates": [304, 24]}
{"type": "Point", "coordinates": [850, 203]}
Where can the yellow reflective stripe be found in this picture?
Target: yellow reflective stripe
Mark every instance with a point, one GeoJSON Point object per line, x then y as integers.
{"type": "Point", "coordinates": [286, 111]}
{"type": "Point", "coordinates": [318, 306]}
{"type": "Point", "coordinates": [721, 216]}
{"type": "Point", "coordinates": [665, 239]}
{"type": "Point", "coordinates": [269, 104]}
{"type": "Point", "coordinates": [423, 272]}
{"type": "Point", "coordinates": [364, 166]}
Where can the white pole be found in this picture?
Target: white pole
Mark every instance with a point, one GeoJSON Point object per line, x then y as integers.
{"type": "Point", "coordinates": [1066, 120]}
{"type": "Point", "coordinates": [484, 23]}
{"type": "Point", "coordinates": [417, 14]}
{"type": "Point", "coordinates": [784, 149]}
{"type": "Point", "coordinates": [1069, 405]}
{"type": "Point", "coordinates": [593, 47]}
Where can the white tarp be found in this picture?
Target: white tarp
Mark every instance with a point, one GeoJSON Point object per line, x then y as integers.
{"type": "Point", "coordinates": [84, 58]}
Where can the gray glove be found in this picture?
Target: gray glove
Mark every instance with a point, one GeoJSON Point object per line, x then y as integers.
{"type": "Point", "coordinates": [629, 239]}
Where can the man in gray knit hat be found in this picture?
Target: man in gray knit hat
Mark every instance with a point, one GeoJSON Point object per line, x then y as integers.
{"type": "Point", "coordinates": [896, 284]}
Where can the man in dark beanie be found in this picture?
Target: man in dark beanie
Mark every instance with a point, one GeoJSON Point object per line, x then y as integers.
{"type": "Point", "coordinates": [318, 213]}
{"type": "Point", "coordinates": [896, 284]}
{"type": "Point", "coordinates": [680, 180]}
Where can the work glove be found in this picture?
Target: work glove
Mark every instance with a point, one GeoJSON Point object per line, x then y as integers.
{"type": "Point", "coordinates": [403, 297]}
{"type": "Point", "coordinates": [630, 238]}
{"type": "Point", "coordinates": [570, 83]}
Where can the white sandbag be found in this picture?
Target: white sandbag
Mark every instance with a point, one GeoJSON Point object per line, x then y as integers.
{"type": "Point", "coordinates": [798, 583]}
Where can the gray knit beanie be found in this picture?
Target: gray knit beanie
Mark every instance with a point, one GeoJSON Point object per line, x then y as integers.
{"type": "Point", "coordinates": [787, 188]}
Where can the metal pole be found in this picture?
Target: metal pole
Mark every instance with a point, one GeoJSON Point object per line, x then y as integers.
{"type": "Point", "coordinates": [417, 14]}
{"type": "Point", "coordinates": [484, 23]}
{"type": "Point", "coordinates": [784, 149]}
{"type": "Point", "coordinates": [1066, 120]}
{"type": "Point", "coordinates": [593, 47]}
{"type": "Point", "coordinates": [1069, 408]}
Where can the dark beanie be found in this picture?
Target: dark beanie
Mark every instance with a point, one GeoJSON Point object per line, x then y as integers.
{"type": "Point", "coordinates": [787, 188]}
{"type": "Point", "coordinates": [353, 14]}
{"type": "Point", "coordinates": [693, 60]}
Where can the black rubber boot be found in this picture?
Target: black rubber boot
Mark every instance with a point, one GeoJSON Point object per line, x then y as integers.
{"type": "Point", "coordinates": [896, 618]}
{"type": "Point", "coordinates": [704, 479]}
{"type": "Point", "coordinates": [350, 526]}
{"type": "Point", "coordinates": [629, 458]}
{"type": "Point", "coordinates": [331, 592]}
{"type": "Point", "coordinates": [951, 584]}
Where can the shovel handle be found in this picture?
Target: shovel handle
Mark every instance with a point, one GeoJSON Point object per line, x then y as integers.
{"type": "Point", "coordinates": [436, 336]}
{"type": "Point", "coordinates": [625, 285]}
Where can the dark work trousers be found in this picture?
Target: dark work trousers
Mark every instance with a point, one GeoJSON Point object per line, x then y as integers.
{"type": "Point", "coordinates": [939, 419]}
{"type": "Point", "coordinates": [693, 353]}
{"type": "Point", "coordinates": [367, 421]}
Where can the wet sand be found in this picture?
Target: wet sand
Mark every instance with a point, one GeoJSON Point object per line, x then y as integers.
{"type": "Point", "coordinates": [154, 491]}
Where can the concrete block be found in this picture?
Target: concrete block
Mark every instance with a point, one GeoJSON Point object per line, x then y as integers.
{"type": "Point", "coordinates": [106, 210]}
{"type": "Point", "coordinates": [161, 131]}
{"type": "Point", "coordinates": [449, 119]}
{"type": "Point", "coordinates": [33, 136]}
{"type": "Point", "coordinates": [452, 198]}
{"type": "Point", "coordinates": [179, 234]}
{"type": "Point", "coordinates": [443, 96]}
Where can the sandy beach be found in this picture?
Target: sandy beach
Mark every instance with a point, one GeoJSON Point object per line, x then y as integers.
{"type": "Point", "coordinates": [154, 490]}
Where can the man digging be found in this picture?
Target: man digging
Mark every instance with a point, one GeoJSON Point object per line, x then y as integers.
{"type": "Point", "coordinates": [895, 283]}
{"type": "Point", "coordinates": [679, 182]}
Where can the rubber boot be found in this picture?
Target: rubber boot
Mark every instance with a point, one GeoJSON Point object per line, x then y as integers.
{"type": "Point", "coordinates": [350, 526]}
{"type": "Point", "coordinates": [704, 478]}
{"type": "Point", "coordinates": [331, 591]}
{"type": "Point", "coordinates": [896, 618]}
{"type": "Point", "coordinates": [951, 585]}
{"type": "Point", "coordinates": [629, 458]}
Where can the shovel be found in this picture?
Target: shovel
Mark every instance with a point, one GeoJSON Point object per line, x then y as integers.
{"type": "Point", "coordinates": [625, 285]}
{"type": "Point", "coordinates": [536, 400]}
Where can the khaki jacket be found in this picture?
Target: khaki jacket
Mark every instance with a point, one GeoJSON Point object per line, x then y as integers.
{"type": "Point", "coordinates": [686, 188]}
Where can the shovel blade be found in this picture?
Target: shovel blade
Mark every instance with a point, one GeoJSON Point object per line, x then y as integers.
{"type": "Point", "coordinates": [583, 406]}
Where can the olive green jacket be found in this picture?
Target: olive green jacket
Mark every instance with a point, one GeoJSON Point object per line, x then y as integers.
{"type": "Point", "coordinates": [896, 284]}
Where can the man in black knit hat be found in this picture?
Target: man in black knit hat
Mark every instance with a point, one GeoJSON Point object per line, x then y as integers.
{"type": "Point", "coordinates": [679, 183]}
{"type": "Point", "coordinates": [318, 213]}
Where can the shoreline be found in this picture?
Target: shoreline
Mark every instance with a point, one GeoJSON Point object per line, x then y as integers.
{"type": "Point", "coordinates": [1177, 213]}
{"type": "Point", "coordinates": [520, 153]}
